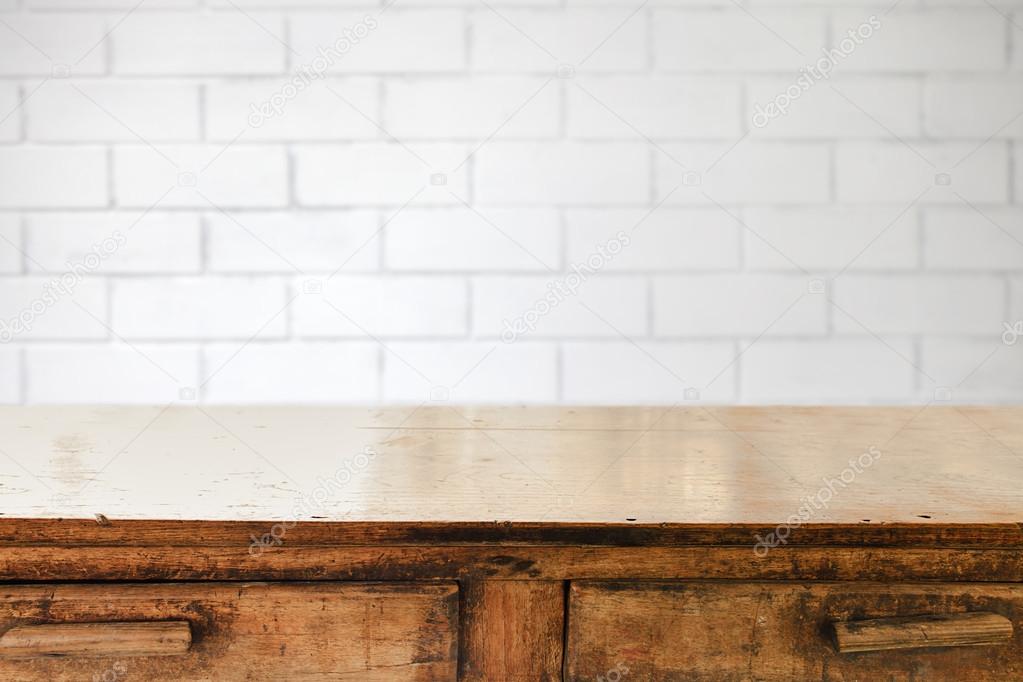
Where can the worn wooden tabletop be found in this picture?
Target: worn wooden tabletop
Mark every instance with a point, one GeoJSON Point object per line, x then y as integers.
{"type": "Point", "coordinates": [933, 465]}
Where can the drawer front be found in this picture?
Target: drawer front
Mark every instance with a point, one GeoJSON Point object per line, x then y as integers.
{"type": "Point", "coordinates": [224, 631]}
{"type": "Point", "coordinates": [785, 631]}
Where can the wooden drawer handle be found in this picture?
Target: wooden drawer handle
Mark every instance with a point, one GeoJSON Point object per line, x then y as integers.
{"type": "Point", "coordinates": [97, 640]}
{"type": "Point", "coordinates": [915, 632]}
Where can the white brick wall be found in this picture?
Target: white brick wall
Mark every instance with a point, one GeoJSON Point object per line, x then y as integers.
{"type": "Point", "coordinates": [66, 111]}
{"type": "Point", "coordinates": [11, 247]}
{"type": "Point", "coordinates": [145, 373]}
{"type": "Point", "coordinates": [315, 201]}
{"type": "Point", "coordinates": [53, 177]}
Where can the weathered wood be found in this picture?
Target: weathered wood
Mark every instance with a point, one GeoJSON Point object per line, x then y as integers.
{"type": "Point", "coordinates": [97, 640]}
{"type": "Point", "coordinates": [512, 630]}
{"type": "Point", "coordinates": [512, 503]}
{"type": "Point", "coordinates": [696, 466]}
{"type": "Point", "coordinates": [323, 631]}
{"type": "Point", "coordinates": [919, 632]}
{"type": "Point", "coordinates": [162, 533]}
{"type": "Point", "coordinates": [508, 563]}
{"type": "Point", "coordinates": [774, 632]}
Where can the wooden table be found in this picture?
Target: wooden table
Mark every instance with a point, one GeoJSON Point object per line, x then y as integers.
{"type": "Point", "coordinates": [441, 543]}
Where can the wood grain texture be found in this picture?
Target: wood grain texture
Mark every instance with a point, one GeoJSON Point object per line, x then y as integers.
{"type": "Point", "coordinates": [508, 563]}
{"type": "Point", "coordinates": [246, 631]}
{"type": "Point", "coordinates": [697, 467]}
{"type": "Point", "coordinates": [774, 632]}
{"type": "Point", "coordinates": [97, 640]}
{"type": "Point", "coordinates": [170, 533]}
{"type": "Point", "coordinates": [512, 630]}
{"type": "Point", "coordinates": [921, 632]}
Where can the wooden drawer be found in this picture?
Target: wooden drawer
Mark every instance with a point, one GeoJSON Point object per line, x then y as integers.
{"type": "Point", "coordinates": [784, 631]}
{"type": "Point", "coordinates": [224, 631]}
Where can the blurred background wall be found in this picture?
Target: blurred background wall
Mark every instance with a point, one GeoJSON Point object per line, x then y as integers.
{"type": "Point", "coordinates": [511, 201]}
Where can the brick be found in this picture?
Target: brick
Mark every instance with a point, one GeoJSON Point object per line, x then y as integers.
{"type": "Point", "coordinates": [470, 372]}
{"type": "Point", "coordinates": [283, 4]}
{"type": "Point", "coordinates": [40, 308]}
{"type": "Point", "coordinates": [662, 239]}
{"type": "Point", "coordinates": [357, 306]}
{"type": "Point", "coordinates": [161, 43]}
{"type": "Point", "coordinates": [841, 107]}
{"type": "Point", "coordinates": [110, 4]}
{"type": "Point", "coordinates": [733, 40]}
{"type": "Point", "coordinates": [472, 107]}
{"type": "Point", "coordinates": [737, 305]}
{"type": "Point", "coordinates": [932, 40]}
{"type": "Point", "coordinates": [372, 174]}
{"type": "Point", "coordinates": [583, 39]}
{"type": "Point", "coordinates": [961, 238]}
{"type": "Point", "coordinates": [747, 173]}
{"type": "Point", "coordinates": [1015, 299]}
{"type": "Point", "coordinates": [53, 177]}
{"type": "Point", "coordinates": [311, 241]}
{"type": "Point", "coordinates": [493, 239]}
{"type": "Point", "coordinates": [10, 372]}
{"type": "Point", "coordinates": [1017, 45]}
{"type": "Point", "coordinates": [10, 114]}
{"type": "Point", "coordinates": [892, 172]}
{"type": "Point", "coordinates": [98, 111]}
{"type": "Point", "coordinates": [655, 372]}
{"type": "Point", "coordinates": [292, 373]}
{"type": "Point", "coordinates": [198, 175]}
{"type": "Point", "coordinates": [365, 41]}
{"type": "Point", "coordinates": [119, 242]}
{"type": "Point", "coordinates": [297, 108]}
{"type": "Point", "coordinates": [59, 45]}
{"type": "Point", "coordinates": [654, 3]}
{"type": "Point", "coordinates": [564, 173]}
{"type": "Point", "coordinates": [830, 238]}
{"type": "Point", "coordinates": [1018, 164]}
{"type": "Point", "coordinates": [656, 106]}
{"type": "Point", "coordinates": [973, 370]}
{"type": "Point", "coordinates": [10, 243]}
{"type": "Point", "coordinates": [559, 304]}
{"type": "Point", "coordinates": [146, 374]}
{"type": "Point", "coordinates": [974, 107]}
{"type": "Point", "coordinates": [848, 371]}
{"type": "Point", "coordinates": [890, 304]}
{"type": "Point", "coordinates": [239, 308]}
